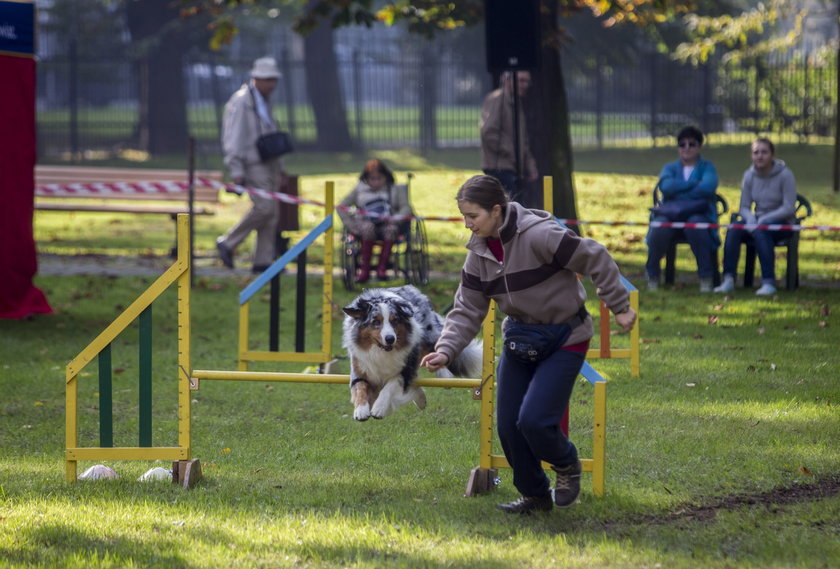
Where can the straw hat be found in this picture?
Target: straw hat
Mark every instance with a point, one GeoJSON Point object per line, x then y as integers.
{"type": "Point", "coordinates": [265, 68]}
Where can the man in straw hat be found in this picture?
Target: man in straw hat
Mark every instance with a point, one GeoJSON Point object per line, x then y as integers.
{"type": "Point", "coordinates": [247, 117]}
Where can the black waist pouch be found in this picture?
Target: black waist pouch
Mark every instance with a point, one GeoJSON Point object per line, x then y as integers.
{"type": "Point", "coordinates": [532, 343]}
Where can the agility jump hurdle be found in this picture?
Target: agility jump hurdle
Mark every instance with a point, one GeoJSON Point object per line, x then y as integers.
{"type": "Point", "coordinates": [323, 356]}
{"type": "Point", "coordinates": [481, 478]}
{"type": "Point", "coordinates": [100, 348]}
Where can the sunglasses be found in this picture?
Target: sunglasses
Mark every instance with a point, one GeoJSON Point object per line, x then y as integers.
{"type": "Point", "coordinates": [688, 144]}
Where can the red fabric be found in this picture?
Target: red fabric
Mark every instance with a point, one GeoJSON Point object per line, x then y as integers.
{"type": "Point", "coordinates": [495, 246]}
{"type": "Point", "coordinates": [581, 347]}
{"type": "Point", "coordinates": [18, 262]}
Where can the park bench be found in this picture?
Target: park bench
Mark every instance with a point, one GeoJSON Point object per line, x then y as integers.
{"type": "Point", "coordinates": [204, 198]}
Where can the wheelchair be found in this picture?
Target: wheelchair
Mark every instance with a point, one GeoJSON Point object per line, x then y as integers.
{"type": "Point", "coordinates": [409, 257]}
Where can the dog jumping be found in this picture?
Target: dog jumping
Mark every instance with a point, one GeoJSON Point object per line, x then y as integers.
{"type": "Point", "coordinates": [387, 332]}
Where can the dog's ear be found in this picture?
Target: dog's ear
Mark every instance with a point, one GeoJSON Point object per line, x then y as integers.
{"type": "Point", "coordinates": [356, 309]}
{"type": "Point", "coordinates": [405, 310]}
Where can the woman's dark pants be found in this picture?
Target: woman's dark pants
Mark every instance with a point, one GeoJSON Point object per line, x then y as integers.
{"type": "Point", "coordinates": [765, 243]}
{"type": "Point", "coordinates": [531, 400]}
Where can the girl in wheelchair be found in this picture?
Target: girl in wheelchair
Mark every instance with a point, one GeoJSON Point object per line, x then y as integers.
{"type": "Point", "coordinates": [375, 199]}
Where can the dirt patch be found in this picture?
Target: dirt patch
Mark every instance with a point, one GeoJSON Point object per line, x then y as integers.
{"type": "Point", "coordinates": [797, 493]}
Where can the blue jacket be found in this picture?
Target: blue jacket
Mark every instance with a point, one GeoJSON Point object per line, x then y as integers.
{"type": "Point", "coordinates": [701, 184]}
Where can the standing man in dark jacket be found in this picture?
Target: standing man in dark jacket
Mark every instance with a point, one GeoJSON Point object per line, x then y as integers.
{"type": "Point", "coordinates": [498, 152]}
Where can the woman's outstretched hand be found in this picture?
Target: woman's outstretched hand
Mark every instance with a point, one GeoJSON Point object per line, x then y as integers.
{"type": "Point", "coordinates": [626, 319]}
{"type": "Point", "coordinates": [434, 361]}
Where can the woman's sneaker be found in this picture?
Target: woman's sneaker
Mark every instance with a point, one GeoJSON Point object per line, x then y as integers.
{"type": "Point", "coordinates": [528, 504]}
{"type": "Point", "coordinates": [567, 487]}
{"type": "Point", "coordinates": [728, 284]}
{"type": "Point", "coordinates": [766, 290]}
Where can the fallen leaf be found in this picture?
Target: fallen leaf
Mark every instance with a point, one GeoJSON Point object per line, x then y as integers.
{"type": "Point", "coordinates": [697, 336]}
{"type": "Point", "coordinates": [772, 367]}
{"type": "Point", "coordinates": [713, 319]}
{"type": "Point", "coordinates": [718, 307]}
{"type": "Point", "coordinates": [651, 341]}
{"type": "Point", "coordinates": [750, 368]}
{"type": "Point", "coordinates": [691, 384]}
{"type": "Point", "coordinates": [823, 324]}
{"type": "Point", "coordinates": [804, 470]}
{"type": "Point", "coordinates": [760, 330]}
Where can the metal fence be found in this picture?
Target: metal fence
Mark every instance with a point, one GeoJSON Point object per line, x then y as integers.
{"type": "Point", "coordinates": [427, 100]}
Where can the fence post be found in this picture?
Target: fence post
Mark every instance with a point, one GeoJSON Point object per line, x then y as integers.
{"type": "Point", "coordinates": [653, 103]}
{"type": "Point", "coordinates": [289, 89]}
{"type": "Point", "coordinates": [428, 101]}
{"type": "Point", "coordinates": [74, 102]}
{"type": "Point", "coordinates": [218, 97]}
{"type": "Point", "coordinates": [707, 127]}
{"type": "Point", "coordinates": [357, 100]}
{"type": "Point", "coordinates": [756, 96]}
{"type": "Point", "coordinates": [805, 98]}
{"type": "Point", "coordinates": [599, 102]}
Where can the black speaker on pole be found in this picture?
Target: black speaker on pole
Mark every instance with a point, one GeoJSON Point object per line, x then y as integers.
{"type": "Point", "coordinates": [512, 34]}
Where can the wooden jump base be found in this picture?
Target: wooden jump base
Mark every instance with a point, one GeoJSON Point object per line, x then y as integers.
{"type": "Point", "coordinates": [186, 470]}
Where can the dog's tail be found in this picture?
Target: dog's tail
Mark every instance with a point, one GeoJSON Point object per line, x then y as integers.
{"type": "Point", "coordinates": [468, 362]}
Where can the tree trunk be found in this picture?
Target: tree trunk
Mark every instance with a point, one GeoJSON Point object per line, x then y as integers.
{"type": "Point", "coordinates": [551, 142]}
{"type": "Point", "coordinates": [157, 31]}
{"type": "Point", "coordinates": [324, 89]}
{"type": "Point", "coordinates": [836, 169]}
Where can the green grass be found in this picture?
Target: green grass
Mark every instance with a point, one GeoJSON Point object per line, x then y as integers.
{"type": "Point", "coordinates": [722, 454]}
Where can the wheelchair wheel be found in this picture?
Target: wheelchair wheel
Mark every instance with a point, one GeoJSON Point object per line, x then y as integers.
{"type": "Point", "coordinates": [349, 260]}
{"type": "Point", "coordinates": [417, 258]}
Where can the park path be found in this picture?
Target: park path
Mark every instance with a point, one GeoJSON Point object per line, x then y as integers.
{"type": "Point", "coordinates": [51, 264]}
{"type": "Point", "coordinates": [121, 266]}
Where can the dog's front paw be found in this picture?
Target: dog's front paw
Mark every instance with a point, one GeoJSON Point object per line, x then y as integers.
{"type": "Point", "coordinates": [379, 411]}
{"type": "Point", "coordinates": [362, 412]}
{"type": "Point", "coordinates": [420, 398]}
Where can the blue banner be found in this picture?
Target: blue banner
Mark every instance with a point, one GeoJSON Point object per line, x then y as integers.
{"type": "Point", "coordinates": [17, 28]}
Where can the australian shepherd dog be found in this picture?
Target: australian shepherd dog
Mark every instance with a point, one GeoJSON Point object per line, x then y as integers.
{"type": "Point", "coordinates": [387, 332]}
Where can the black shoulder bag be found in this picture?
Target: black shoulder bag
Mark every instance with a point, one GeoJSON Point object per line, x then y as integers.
{"type": "Point", "coordinates": [274, 144]}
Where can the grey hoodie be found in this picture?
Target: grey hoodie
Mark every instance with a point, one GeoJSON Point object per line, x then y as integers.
{"type": "Point", "coordinates": [774, 195]}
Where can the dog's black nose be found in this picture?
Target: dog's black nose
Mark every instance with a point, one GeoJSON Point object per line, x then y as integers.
{"type": "Point", "coordinates": [390, 339]}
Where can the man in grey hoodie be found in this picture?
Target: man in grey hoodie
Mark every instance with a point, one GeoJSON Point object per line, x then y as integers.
{"type": "Point", "coordinates": [770, 185]}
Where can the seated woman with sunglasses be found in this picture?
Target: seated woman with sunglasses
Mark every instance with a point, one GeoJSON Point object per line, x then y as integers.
{"type": "Point", "coordinates": [694, 181]}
